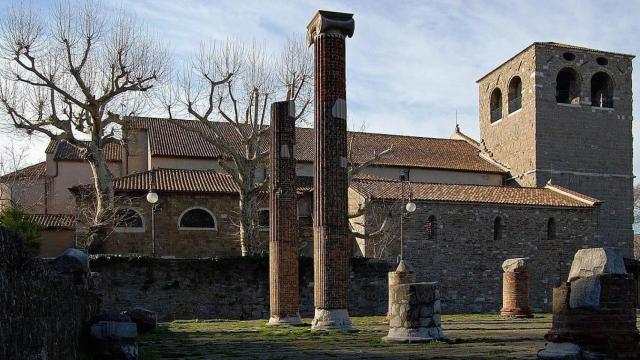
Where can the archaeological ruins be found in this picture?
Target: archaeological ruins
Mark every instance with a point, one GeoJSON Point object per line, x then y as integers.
{"type": "Point", "coordinates": [533, 217]}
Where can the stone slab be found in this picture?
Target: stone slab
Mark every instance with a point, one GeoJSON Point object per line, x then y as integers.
{"type": "Point", "coordinates": [596, 261]}
{"type": "Point", "coordinates": [515, 265]}
{"type": "Point", "coordinates": [557, 351]}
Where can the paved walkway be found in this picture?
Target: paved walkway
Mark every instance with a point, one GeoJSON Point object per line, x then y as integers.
{"type": "Point", "coordinates": [474, 337]}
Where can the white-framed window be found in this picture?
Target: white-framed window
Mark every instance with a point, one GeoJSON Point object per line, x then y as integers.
{"type": "Point", "coordinates": [128, 220]}
{"type": "Point", "coordinates": [197, 218]}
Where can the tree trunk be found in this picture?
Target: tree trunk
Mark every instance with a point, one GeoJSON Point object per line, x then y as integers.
{"type": "Point", "coordinates": [248, 228]}
{"type": "Point", "coordinates": [103, 181]}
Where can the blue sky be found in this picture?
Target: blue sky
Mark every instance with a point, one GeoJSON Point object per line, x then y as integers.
{"type": "Point", "coordinates": [411, 64]}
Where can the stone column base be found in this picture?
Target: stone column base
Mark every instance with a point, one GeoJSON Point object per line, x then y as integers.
{"type": "Point", "coordinates": [284, 321]}
{"type": "Point", "coordinates": [421, 335]}
{"type": "Point", "coordinates": [331, 320]}
{"type": "Point", "coordinates": [519, 313]}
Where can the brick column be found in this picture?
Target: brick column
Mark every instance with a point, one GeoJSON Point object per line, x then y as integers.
{"type": "Point", "coordinates": [283, 235]}
{"type": "Point", "coordinates": [332, 247]}
{"type": "Point", "coordinates": [515, 289]}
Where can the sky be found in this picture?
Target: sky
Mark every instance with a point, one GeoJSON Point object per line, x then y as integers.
{"type": "Point", "coordinates": [411, 65]}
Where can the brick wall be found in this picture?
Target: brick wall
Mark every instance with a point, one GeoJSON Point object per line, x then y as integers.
{"type": "Point", "coordinates": [229, 288]}
{"type": "Point", "coordinates": [466, 260]}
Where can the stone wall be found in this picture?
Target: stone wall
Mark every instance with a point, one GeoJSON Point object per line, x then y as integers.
{"type": "Point", "coordinates": [230, 288]}
{"type": "Point", "coordinates": [43, 313]}
{"type": "Point", "coordinates": [579, 146]}
{"type": "Point", "coordinates": [464, 257]}
{"type": "Point", "coordinates": [172, 241]}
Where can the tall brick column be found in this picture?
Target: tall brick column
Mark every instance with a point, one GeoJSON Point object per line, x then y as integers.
{"type": "Point", "coordinates": [283, 230]}
{"type": "Point", "coordinates": [331, 246]}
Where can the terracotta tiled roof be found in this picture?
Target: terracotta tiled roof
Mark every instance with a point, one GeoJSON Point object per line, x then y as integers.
{"type": "Point", "coordinates": [54, 221]}
{"type": "Point", "coordinates": [32, 172]}
{"type": "Point", "coordinates": [389, 189]}
{"type": "Point", "coordinates": [167, 139]}
{"type": "Point", "coordinates": [177, 180]}
{"type": "Point", "coordinates": [63, 150]}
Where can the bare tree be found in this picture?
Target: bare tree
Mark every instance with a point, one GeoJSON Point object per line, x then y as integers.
{"type": "Point", "coordinates": [367, 223]}
{"type": "Point", "coordinates": [16, 177]}
{"type": "Point", "coordinates": [71, 76]}
{"type": "Point", "coordinates": [231, 86]}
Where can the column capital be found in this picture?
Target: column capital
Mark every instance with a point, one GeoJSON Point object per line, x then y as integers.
{"type": "Point", "coordinates": [330, 22]}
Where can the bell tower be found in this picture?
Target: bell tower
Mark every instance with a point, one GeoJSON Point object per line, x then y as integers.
{"type": "Point", "coordinates": [563, 113]}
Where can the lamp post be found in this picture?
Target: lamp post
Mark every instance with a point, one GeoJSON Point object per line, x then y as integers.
{"type": "Point", "coordinates": [152, 198]}
{"type": "Point", "coordinates": [408, 208]}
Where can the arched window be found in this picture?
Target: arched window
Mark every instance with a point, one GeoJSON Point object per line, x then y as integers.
{"type": "Point", "coordinates": [498, 226]}
{"type": "Point", "coordinates": [128, 220]}
{"type": "Point", "coordinates": [567, 87]}
{"type": "Point", "coordinates": [495, 105]}
{"type": "Point", "coordinates": [432, 227]}
{"type": "Point", "coordinates": [601, 90]}
{"type": "Point", "coordinates": [197, 218]}
{"type": "Point", "coordinates": [263, 218]}
{"type": "Point", "coordinates": [515, 94]}
{"type": "Point", "coordinates": [551, 229]}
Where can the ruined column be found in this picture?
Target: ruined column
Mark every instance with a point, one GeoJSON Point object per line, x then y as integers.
{"type": "Point", "coordinates": [515, 288]}
{"type": "Point", "coordinates": [332, 248]}
{"type": "Point", "coordinates": [401, 275]}
{"type": "Point", "coordinates": [415, 313]}
{"type": "Point", "coordinates": [594, 315]}
{"type": "Point", "coordinates": [283, 230]}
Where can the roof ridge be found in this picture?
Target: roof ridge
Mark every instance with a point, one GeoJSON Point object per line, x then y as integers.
{"type": "Point", "coordinates": [309, 128]}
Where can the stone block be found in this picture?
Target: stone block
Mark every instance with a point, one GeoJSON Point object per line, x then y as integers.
{"type": "Point", "coordinates": [515, 265]}
{"type": "Point", "coordinates": [588, 262]}
{"type": "Point", "coordinates": [585, 292]}
{"type": "Point", "coordinates": [557, 351]}
{"type": "Point", "coordinates": [146, 320]}
{"type": "Point", "coordinates": [72, 261]}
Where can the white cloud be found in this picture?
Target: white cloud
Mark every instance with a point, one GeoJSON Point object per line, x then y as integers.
{"type": "Point", "coordinates": [411, 64]}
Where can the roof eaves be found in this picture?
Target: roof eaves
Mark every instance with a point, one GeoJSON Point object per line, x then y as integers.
{"type": "Point", "coordinates": [562, 191]}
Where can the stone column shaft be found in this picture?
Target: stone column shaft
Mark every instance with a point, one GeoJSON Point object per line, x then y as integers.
{"type": "Point", "coordinates": [283, 230]}
{"type": "Point", "coordinates": [332, 247]}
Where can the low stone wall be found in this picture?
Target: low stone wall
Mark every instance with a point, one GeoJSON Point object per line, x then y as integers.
{"type": "Point", "coordinates": [43, 314]}
{"type": "Point", "coordinates": [230, 288]}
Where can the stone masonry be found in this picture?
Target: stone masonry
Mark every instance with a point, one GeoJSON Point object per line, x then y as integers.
{"type": "Point", "coordinates": [401, 275]}
{"type": "Point", "coordinates": [223, 288]}
{"type": "Point", "coordinates": [283, 237]}
{"type": "Point", "coordinates": [515, 288]}
{"type": "Point", "coordinates": [415, 313]}
{"type": "Point", "coordinates": [332, 244]}
{"type": "Point", "coordinates": [465, 232]}
{"type": "Point", "coordinates": [594, 310]}
{"type": "Point", "coordinates": [576, 145]}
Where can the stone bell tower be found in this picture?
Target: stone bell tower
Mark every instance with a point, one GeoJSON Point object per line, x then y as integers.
{"type": "Point", "coordinates": [331, 246]}
{"type": "Point", "coordinates": [563, 113]}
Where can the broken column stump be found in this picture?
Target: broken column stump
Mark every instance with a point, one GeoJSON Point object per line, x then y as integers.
{"type": "Point", "coordinates": [402, 275]}
{"type": "Point", "coordinates": [415, 313]}
{"type": "Point", "coordinates": [593, 313]}
{"type": "Point", "coordinates": [515, 289]}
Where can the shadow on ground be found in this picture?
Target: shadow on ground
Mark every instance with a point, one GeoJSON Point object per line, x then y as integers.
{"type": "Point", "coordinates": [474, 337]}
